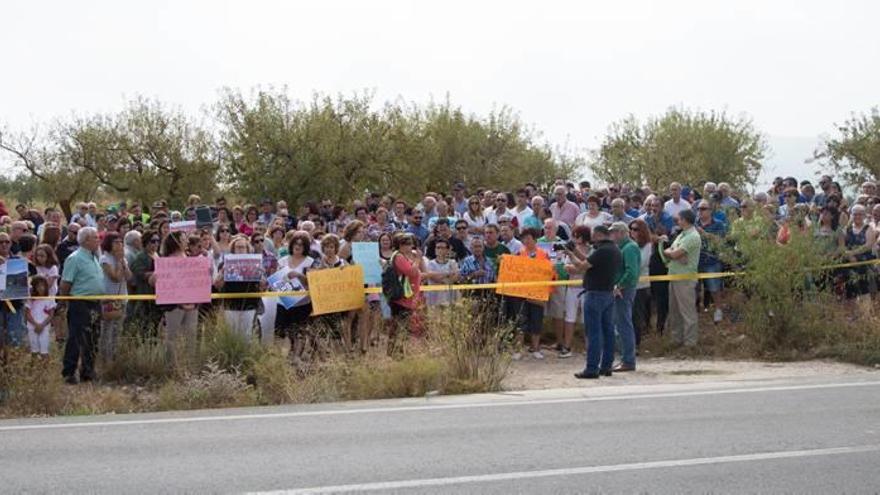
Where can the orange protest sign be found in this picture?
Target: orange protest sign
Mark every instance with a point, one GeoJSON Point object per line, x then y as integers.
{"type": "Point", "coordinates": [523, 269]}
{"type": "Point", "coordinates": [336, 289]}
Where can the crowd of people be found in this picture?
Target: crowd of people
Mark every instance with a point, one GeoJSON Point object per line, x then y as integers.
{"type": "Point", "coordinates": [610, 238]}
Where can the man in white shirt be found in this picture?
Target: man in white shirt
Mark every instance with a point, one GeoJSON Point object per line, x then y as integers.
{"type": "Point", "coordinates": [505, 234]}
{"type": "Point", "coordinates": [677, 203]}
{"type": "Point", "coordinates": [493, 214]}
{"type": "Point", "coordinates": [522, 211]}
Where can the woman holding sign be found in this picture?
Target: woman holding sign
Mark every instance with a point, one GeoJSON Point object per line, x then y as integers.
{"type": "Point", "coordinates": [528, 314]}
{"type": "Point", "coordinates": [293, 313]}
{"type": "Point", "coordinates": [240, 313]}
{"type": "Point", "coordinates": [355, 231]}
{"type": "Point", "coordinates": [330, 259]}
{"type": "Point", "coordinates": [181, 320]}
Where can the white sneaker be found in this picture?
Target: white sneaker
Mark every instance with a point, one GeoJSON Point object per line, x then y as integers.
{"type": "Point", "coordinates": [516, 356]}
{"type": "Point", "coordinates": [538, 355]}
{"type": "Point", "coordinates": [718, 316]}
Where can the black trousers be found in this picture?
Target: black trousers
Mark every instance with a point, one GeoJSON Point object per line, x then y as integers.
{"type": "Point", "coordinates": [83, 327]}
{"type": "Point", "coordinates": [660, 298]}
{"type": "Point", "coordinates": [642, 313]}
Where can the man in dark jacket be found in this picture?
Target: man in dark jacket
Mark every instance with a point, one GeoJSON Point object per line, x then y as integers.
{"type": "Point", "coordinates": [602, 269]}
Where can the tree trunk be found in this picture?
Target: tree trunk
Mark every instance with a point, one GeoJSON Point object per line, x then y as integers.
{"type": "Point", "coordinates": [65, 207]}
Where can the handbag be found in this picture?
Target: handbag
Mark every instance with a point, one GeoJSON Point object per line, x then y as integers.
{"type": "Point", "coordinates": [114, 309]}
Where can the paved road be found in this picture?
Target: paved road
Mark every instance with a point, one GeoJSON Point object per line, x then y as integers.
{"type": "Point", "coordinates": [794, 436]}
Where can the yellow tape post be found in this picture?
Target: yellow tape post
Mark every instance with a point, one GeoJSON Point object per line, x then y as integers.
{"type": "Point", "coordinates": [433, 288]}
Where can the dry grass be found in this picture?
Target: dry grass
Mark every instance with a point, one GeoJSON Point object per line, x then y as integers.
{"type": "Point", "coordinates": [463, 351]}
{"type": "Point", "coordinates": [213, 387]}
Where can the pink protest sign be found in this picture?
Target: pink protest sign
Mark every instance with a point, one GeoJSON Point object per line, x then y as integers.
{"type": "Point", "coordinates": [183, 280]}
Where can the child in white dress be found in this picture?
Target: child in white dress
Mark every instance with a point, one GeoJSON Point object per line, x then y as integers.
{"type": "Point", "coordinates": [38, 314]}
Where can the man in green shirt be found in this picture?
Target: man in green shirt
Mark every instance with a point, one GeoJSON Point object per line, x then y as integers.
{"type": "Point", "coordinates": [625, 294]}
{"type": "Point", "coordinates": [682, 258]}
{"type": "Point", "coordinates": [82, 276]}
{"type": "Point", "coordinates": [493, 249]}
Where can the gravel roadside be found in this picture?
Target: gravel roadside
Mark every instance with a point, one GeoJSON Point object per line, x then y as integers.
{"type": "Point", "coordinates": [551, 372]}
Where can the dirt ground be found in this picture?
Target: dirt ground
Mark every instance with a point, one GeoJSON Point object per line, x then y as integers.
{"type": "Point", "coordinates": [531, 374]}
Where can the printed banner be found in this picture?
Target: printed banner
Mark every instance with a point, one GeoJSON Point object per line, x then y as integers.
{"type": "Point", "coordinates": [525, 269]}
{"type": "Point", "coordinates": [366, 254]}
{"type": "Point", "coordinates": [242, 267]}
{"type": "Point", "coordinates": [281, 282]}
{"type": "Point", "coordinates": [336, 289]}
{"type": "Point", "coordinates": [183, 280]}
{"type": "Point", "coordinates": [15, 279]}
{"type": "Point", "coordinates": [184, 226]}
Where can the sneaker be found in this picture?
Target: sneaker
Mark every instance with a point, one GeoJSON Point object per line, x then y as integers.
{"type": "Point", "coordinates": [565, 353]}
{"type": "Point", "coordinates": [516, 356]}
{"type": "Point", "coordinates": [537, 355]}
{"type": "Point", "coordinates": [718, 316]}
{"type": "Point", "coordinates": [559, 347]}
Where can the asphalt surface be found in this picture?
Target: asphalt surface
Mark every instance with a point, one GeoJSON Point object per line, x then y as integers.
{"type": "Point", "coordinates": [792, 436]}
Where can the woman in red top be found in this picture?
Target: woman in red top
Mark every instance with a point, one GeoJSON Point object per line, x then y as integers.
{"type": "Point", "coordinates": [407, 263]}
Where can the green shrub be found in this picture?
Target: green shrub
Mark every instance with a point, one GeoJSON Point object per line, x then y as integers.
{"type": "Point", "coordinates": [782, 309]}
{"type": "Point", "coordinates": [378, 377]}
{"type": "Point", "coordinates": [472, 345]}
{"type": "Point", "coordinates": [227, 349]}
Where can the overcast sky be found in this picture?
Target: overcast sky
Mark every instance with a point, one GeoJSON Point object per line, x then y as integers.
{"type": "Point", "coordinates": [568, 68]}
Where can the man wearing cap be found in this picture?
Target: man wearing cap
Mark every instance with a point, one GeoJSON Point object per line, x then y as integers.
{"type": "Point", "coordinates": [682, 258]}
{"type": "Point", "coordinates": [625, 294]}
{"type": "Point", "coordinates": [600, 273]}
{"type": "Point", "coordinates": [159, 206]}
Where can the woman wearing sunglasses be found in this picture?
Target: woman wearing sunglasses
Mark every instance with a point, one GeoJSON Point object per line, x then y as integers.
{"type": "Point", "coordinates": [143, 268]}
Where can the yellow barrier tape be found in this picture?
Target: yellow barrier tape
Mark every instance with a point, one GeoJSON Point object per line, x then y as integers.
{"type": "Point", "coordinates": [439, 288]}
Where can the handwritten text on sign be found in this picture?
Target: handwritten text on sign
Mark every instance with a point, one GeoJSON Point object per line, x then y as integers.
{"type": "Point", "coordinates": [336, 289]}
{"type": "Point", "coordinates": [523, 269]}
{"type": "Point", "coordinates": [183, 280]}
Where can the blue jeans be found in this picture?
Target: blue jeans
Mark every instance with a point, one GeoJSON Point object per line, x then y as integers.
{"type": "Point", "coordinates": [12, 329]}
{"type": "Point", "coordinates": [599, 324]}
{"type": "Point", "coordinates": [623, 320]}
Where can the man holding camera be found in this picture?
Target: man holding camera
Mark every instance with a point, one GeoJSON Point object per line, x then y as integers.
{"type": "Point", "coordinates": [601, 269]}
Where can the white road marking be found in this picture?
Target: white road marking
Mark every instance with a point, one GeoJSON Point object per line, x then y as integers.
{"type": "Point", "coordinates": [636, 466]}
{"type": "Point", "coordinates": [435, 407]}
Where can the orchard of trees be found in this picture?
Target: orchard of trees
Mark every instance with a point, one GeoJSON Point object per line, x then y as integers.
{"type": "Point", "coordinates": [265, 144]}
